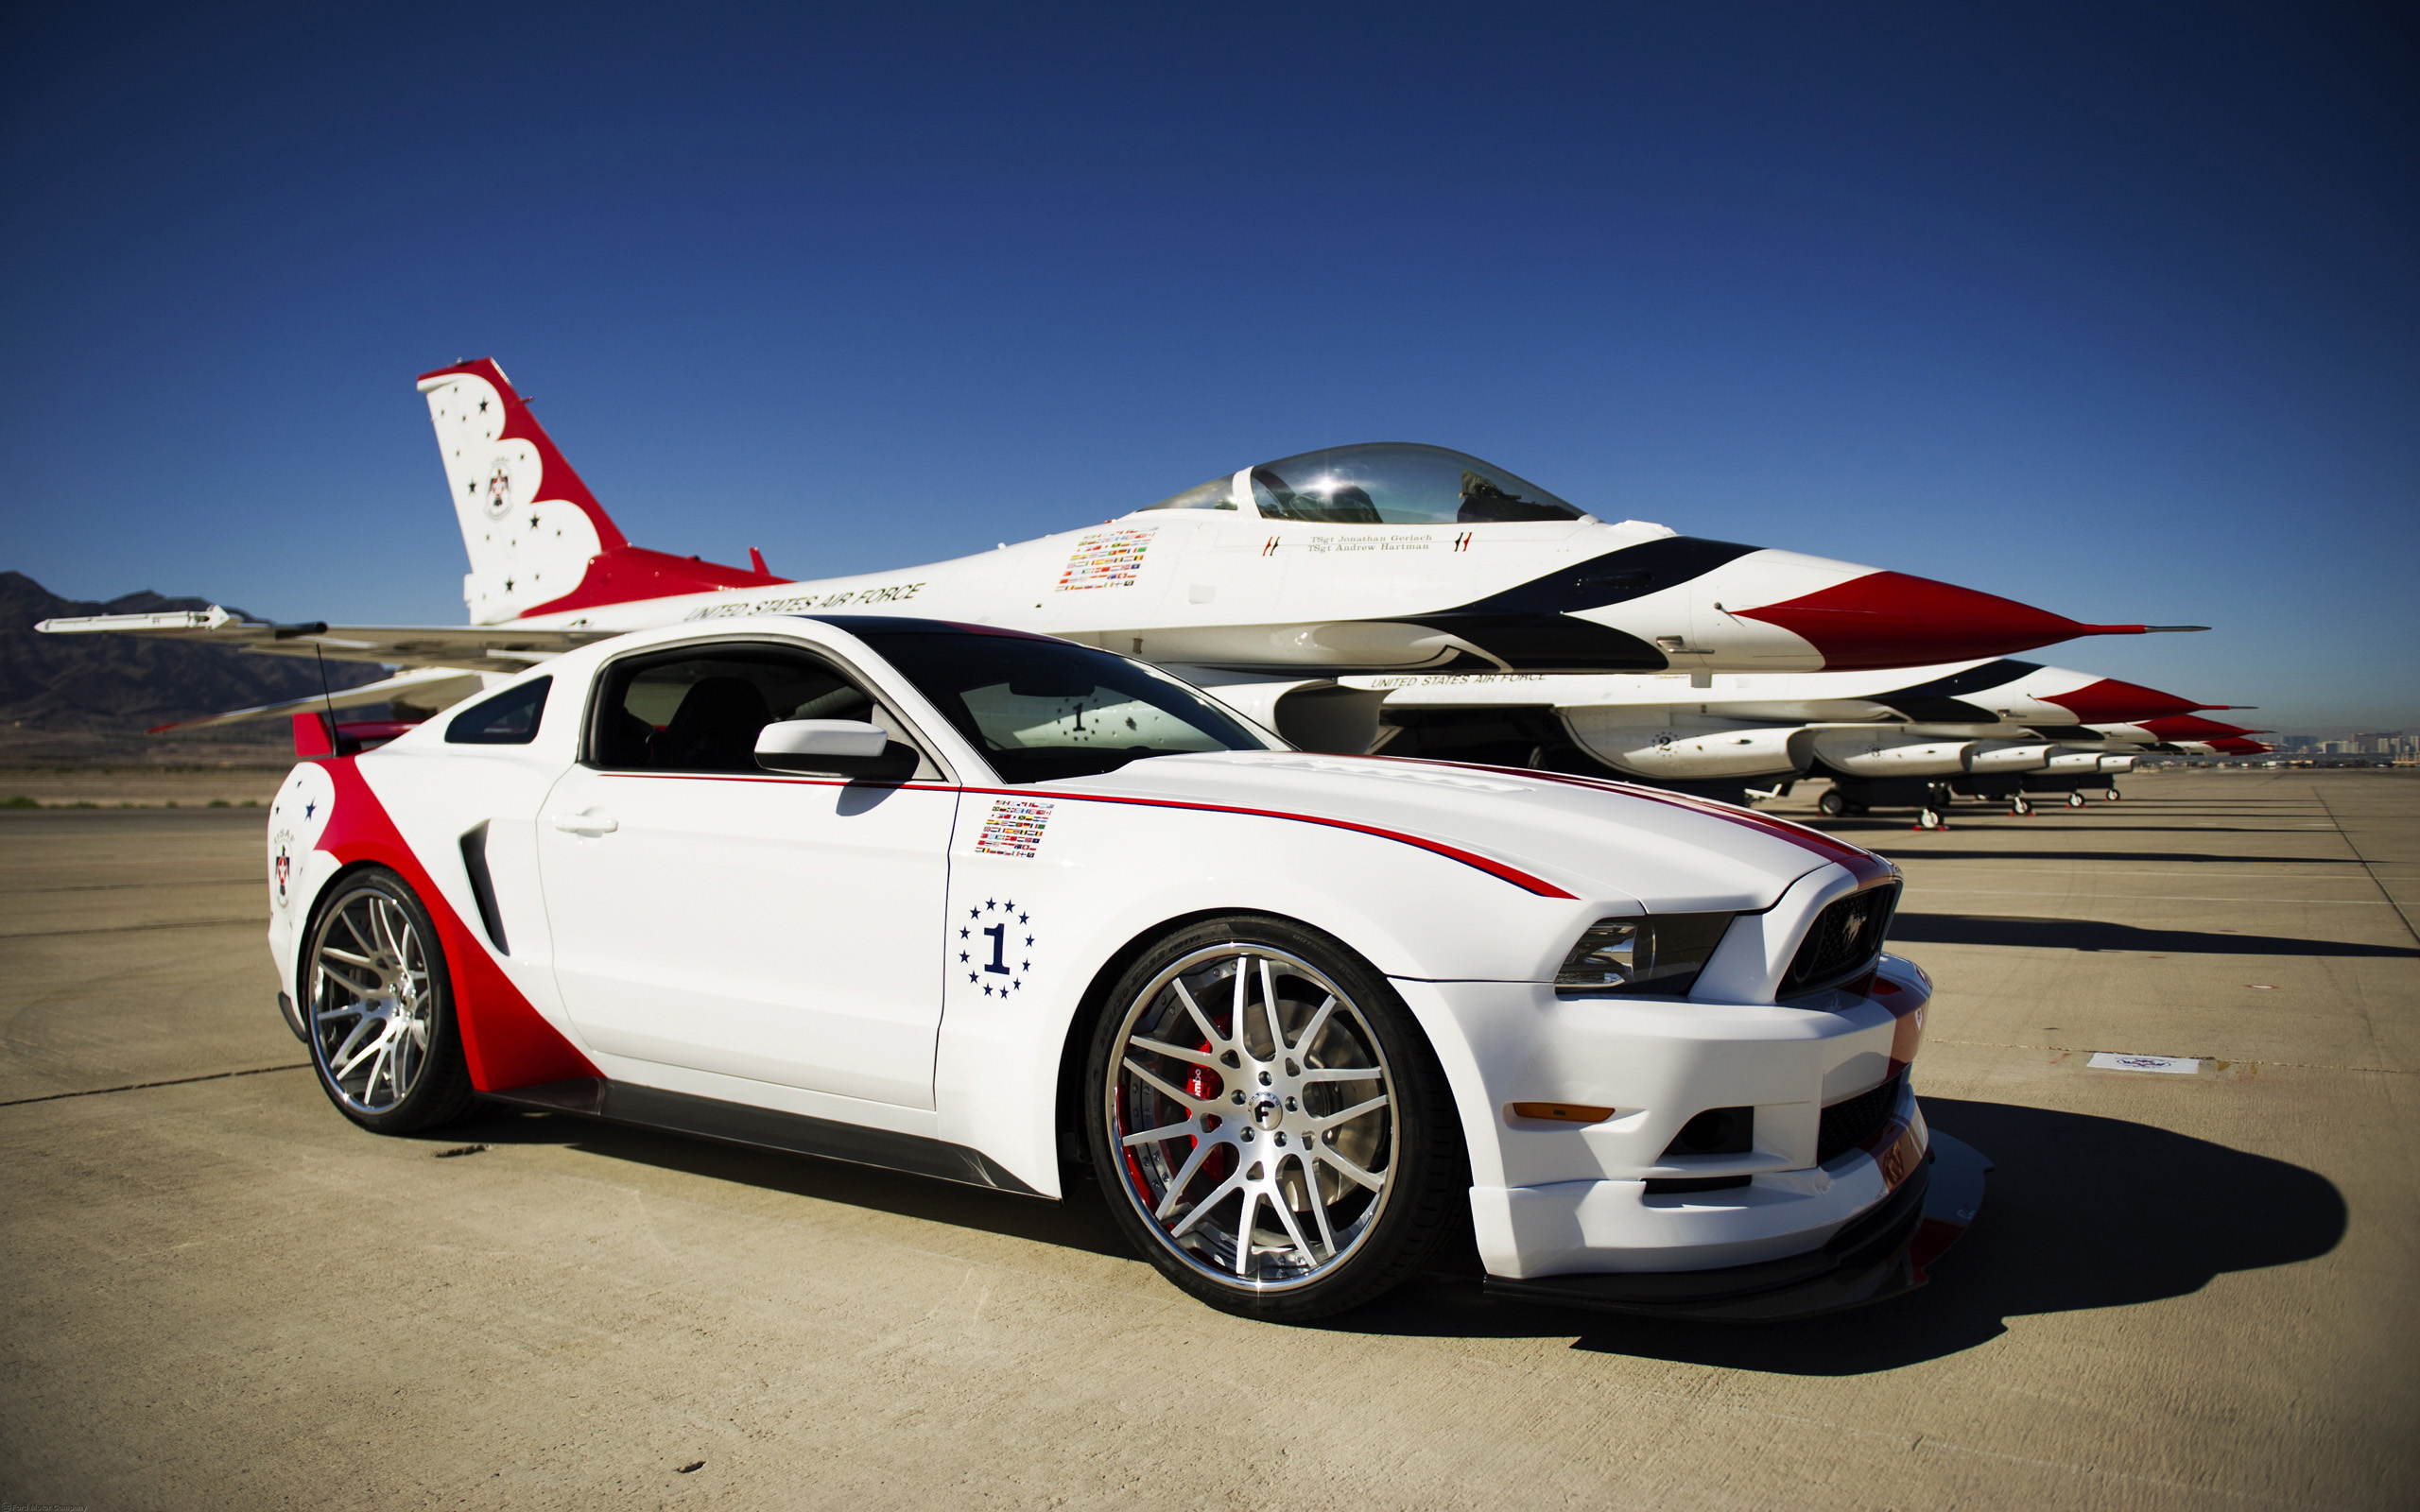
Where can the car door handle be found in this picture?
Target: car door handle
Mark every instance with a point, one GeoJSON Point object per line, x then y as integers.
{"type": "Point", "coordinates": [585, 824]}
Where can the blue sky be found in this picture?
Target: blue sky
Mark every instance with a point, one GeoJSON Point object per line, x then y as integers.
{"type": "Point", "coordinates": [2111, 308]}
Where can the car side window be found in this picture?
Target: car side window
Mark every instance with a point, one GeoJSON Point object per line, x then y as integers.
{"type": "Point", "coordinates": [510, 718]}
{"type": "Point", "coordinates": [700, 709]}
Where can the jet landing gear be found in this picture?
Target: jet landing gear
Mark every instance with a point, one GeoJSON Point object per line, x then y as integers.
{"type": "Point", "coordinates": [1832, 805]}
{"type": "Point", "coordinates": [2075, 800]}
{"type": "Point", "coordinates": [2109, 795]}
{"type": "Point", "coordinates": [2019, 805]}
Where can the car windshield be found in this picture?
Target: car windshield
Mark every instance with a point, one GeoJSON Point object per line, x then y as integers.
{"type": "Point", "coordinates": [1039, 708]}
{"type": "Point", "coordinates": [1385, 483]}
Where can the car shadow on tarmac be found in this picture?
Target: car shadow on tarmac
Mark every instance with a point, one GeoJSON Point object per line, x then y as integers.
{"type": "Point", "coordinates": [2096, 934]}
{"type": "Point", "coordinates": [2081, 1212]}
{"type": "Point", "coordinates": [1081, 1222]}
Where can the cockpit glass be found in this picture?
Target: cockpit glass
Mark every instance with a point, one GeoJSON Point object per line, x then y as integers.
{"type": "Point", "coordinates": [1396, 483]}
{"type": "Point", "coordinates": [1040, 709]}
{"type": "Point", "coordinates": [1219, 493]}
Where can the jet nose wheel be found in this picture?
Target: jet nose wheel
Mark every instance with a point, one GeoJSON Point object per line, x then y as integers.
{"type": "Point", "coordinates": [2020, 806]}
{"type": "Point", "coordinates": [1931, 819]}
{"type": "Point", "coordinates": [2075, 800]}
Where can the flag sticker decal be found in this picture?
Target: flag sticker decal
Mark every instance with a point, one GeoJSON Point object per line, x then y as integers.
{"type": "Point", "coordinates": [1014, 827]}
{"type": "Point", "coordinates": [1106, 558]}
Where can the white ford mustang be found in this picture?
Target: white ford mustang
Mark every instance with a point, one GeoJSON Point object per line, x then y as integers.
{"type": "Point", "coordinates": [993, 907]}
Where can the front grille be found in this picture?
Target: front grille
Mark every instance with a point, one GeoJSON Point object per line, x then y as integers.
{"type": "Point", "coordinates": [1849, 1124]}
{"type": "Point", "coordinates": [1844, 940]}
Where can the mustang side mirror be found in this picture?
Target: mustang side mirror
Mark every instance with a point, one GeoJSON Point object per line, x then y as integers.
{"type": "Point", "coordinates": [834, 748]}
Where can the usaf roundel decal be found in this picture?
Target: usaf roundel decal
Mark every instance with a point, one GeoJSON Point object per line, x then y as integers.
{"type": "Point", "coordinates": [992, 947]}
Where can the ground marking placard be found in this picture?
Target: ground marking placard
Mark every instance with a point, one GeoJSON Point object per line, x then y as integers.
{"type": "Point", "coordinates": [2172, 1065]}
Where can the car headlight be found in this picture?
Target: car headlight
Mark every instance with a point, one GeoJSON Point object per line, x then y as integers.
{"type": "Point", "coordinates": [1659, 955]}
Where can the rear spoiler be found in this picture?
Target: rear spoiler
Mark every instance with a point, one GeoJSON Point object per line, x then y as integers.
{"type": "Point", "coordinates": [317, 737]}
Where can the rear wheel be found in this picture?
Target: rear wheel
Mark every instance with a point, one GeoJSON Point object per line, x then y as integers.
{"type": "Point", "coordinates": [1832, 805]}
{"type": "Point", "coordinates": [2020, 806]}
{"type": "Point", "coordinates": [1268, 1125]}
{"type": "Point", "coordinates": [2075, 800]}
{"type": "Point", "coordinates": [379, 1008]}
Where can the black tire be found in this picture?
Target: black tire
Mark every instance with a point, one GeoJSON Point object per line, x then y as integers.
{"type": "Point", "coordinates": [2075, 800]}
{"type": "Point", "coordinates": [371, 964]}
{"type": "Point", "coordinates": [1927, 820]}
{"type": "Point", "coordinates": [1182, 1200]}
{"type": "Point", "coordinates": [1832, 805]}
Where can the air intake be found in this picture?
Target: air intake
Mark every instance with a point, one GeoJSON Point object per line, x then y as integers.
{"type": "Point", "coordinates": [1845, 939]}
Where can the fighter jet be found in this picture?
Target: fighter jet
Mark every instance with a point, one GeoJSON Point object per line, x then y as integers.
{"type": "Point", "coordinates": [1913, 738]}
{"type": "Point", "coordinates": [1383, 558]}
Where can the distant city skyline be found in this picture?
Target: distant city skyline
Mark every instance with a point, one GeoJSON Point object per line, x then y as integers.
{"type": "Point", "coordinates": [2107, 309]}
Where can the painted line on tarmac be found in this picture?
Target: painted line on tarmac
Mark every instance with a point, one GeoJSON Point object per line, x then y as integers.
{"type": "Point", "coordinates": [2371, 873]}
{"type": "Point", "coordinates": [128, 929]}
{"type": "Point", "coordinates": [2216, 1060]}
{"type": "Point", "coordinates": [139, 1086]}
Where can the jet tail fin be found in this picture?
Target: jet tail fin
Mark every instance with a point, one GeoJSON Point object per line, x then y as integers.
{"type": "Point", "coordinates": [538, 541]}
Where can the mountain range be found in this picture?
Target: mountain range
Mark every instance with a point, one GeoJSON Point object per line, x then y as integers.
{"type": "Point", "coordinates": [124, 684]}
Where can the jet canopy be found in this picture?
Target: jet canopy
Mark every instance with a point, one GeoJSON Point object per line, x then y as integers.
{"type": "Point", "coordinates": [1383, 483]}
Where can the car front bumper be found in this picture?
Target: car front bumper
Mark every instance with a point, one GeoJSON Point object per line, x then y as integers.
{"type": "Point", "coordinates": [1886, 1251]}
{"type": "Point", "coordinates": [1587, 1211]}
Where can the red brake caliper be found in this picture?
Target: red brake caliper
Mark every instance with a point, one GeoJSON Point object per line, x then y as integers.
{"type": "Point", "coordinates": [1202, 1084]}
{"type": "Point", "coordinates": [1206, 1084]}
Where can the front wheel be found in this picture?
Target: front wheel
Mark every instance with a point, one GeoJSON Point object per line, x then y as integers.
{"type": "Point", "coordinates": [1267, 1124]}
{"type": "Point", "coordinates": [379, 1006]}
{"type": "Point", "coordinates": [2075, 800]}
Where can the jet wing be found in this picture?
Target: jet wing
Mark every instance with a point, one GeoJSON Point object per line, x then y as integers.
{"type": "Point", "coordinates": [463, 648]}
{"type": "Point", "coordinates": [428, 687]}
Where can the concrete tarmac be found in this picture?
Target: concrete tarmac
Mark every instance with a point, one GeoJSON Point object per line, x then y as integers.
{"type": "Point", "coordinates": [2184, 1292]}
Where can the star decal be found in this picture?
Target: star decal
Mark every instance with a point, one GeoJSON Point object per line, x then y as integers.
{"type": "Point", "coordinates": [970, 980]}
{"type": "Point", "coordinates": [310, 808]}
{"type": "Point", "coordinates": [533, 521]}
{"type": "Point", "coordinates": [483, 407]}
{"type": "Point", "coordinates": [962, 957]}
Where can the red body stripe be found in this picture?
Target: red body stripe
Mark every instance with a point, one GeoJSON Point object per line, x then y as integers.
{"type": "Point", "coordinates": [1867, 867]}
{"type": "Point", "coordinates": [1495, 869]}
{"type": "Point", "coordinates": [505, 1039]}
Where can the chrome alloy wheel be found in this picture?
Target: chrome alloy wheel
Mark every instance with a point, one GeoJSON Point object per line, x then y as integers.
{"type": "Point", "coordinates": [371, 1010]}
{"type": "Point", "coordinates": [1254, 1114]}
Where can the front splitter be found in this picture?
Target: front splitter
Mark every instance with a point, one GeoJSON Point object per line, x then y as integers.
{"type": "Point", "coordinates": [1888, 1251]}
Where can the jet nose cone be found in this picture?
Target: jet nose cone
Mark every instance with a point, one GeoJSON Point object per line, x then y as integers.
{"type": "Point", "coordinates": [2112, 702]}
{"type": "Point", "coordinates": [2190, 726]}
{"type": "Point", "coordinates": [1893, 620]}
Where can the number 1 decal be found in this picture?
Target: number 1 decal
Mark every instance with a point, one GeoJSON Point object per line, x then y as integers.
{"type": "Point", "coordinates": [999, 936]}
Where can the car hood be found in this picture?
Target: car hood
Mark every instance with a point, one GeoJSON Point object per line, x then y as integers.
{"type": "Point", "coordinates": [1594, 838]}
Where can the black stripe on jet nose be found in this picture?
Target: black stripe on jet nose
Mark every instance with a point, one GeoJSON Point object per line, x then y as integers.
{"type": "Point", "coordinates": [1614, 577]}
{"type": "Point", "coordinates": [1941, 701]}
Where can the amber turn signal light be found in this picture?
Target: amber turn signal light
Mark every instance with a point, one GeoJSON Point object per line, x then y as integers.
{"type": "Point", "coordinates": [1562, 1113]}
